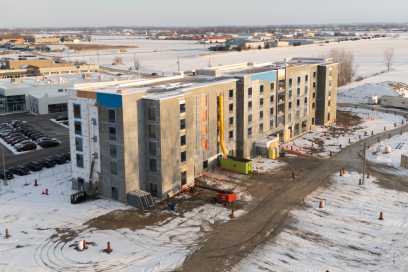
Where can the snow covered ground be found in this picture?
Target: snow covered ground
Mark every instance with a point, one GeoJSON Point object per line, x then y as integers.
{"type": "Point", "coordinates": [161, 56]}
{"type": "Point", "coordinates": [372, 121]}
{"type": "Point", "coordinates": [379, 85]}
{"type": "Point", "coordinates": [398, 145]}
{"type": "Point", "coordinates": [363, 93]}
{"type": "Point", "coordinates": [40, 227]}
{"type": "Point", "coordinates": [345, 235]}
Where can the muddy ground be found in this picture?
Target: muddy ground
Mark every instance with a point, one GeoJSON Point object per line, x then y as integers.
{"type": "Point", "coordinates": [276, 195]}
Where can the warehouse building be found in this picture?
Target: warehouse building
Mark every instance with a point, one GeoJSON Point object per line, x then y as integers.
{"type": "Point", "coordinates": [156, 136]}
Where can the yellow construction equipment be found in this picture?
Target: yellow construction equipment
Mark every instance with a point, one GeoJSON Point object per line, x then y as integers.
{"type": "Point", "coordinates": [241, 166]}
{"type": "Point", "coordinates": [220, 123]}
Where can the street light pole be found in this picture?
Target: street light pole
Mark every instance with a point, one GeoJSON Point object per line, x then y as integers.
{"type": "Point", "coordinates": [4, 166]}
{"type": "Point", "coordinates": [364, 162]}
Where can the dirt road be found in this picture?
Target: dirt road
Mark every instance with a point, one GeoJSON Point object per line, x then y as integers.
{"type": "Point", "coordinates": [231, 242]}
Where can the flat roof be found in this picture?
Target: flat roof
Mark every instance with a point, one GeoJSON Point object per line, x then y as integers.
{"type": "Point", "coordinates": [164, 92]}
{"type": "Point", "coordinates": [54, 80]}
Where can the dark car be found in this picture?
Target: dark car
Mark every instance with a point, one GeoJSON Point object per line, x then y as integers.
{"type": "Point", "coordinates": [18, 140]}
{"type": "Point", "coordinates": [26, 147]}
{"type": "Point", "coordinates": [26, 141]}
{"type": "Point", "coordinates": [11, 136]}
{"type": "Point", "coordinates": [16, 123]}
{"type": "Point", "coordinates": [59, 159]}
{"type": "Point", "coordinates": [20, 171]}
{"type": "Point", "coordinates": [34, 166]}
{"type": "Point", "coordinates": [49, 163]}
{"type": "Point", "coordinates": [5, 132]}
{"type": "Point", "coordinates": [9, 175]}
{"type": "Point", "coordinates": [38, 137]}
{"type": "Point", "coordinates": [15, 140]}
{"type": "Point", "coordinates": [61, 118]}
{"type": "Point", "coordinates": [31, 134]}
{"type": "Point", "coordinates": [48, 143]}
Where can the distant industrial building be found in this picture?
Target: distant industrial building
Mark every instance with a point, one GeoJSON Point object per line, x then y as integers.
{"type": "Point", "coordinates": [156, 136]}
{"type": "Point", "coordinates": [47, 39]}
{"type": "Point", "coordinates": [15, 68]}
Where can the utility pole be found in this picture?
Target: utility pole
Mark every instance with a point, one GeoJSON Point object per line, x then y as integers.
{"type": "Point", "coordinates": [178, 64]}
{"type": "Point", "coordinates": [364, 162]}
{"type": "Point", "coordinates": [136, 65]}
{"type": "Point", "coordinates": [4, 167]}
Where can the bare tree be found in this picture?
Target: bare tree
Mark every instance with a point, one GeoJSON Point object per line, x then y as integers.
{"type": "Point", "coordinates": [347, 68]}
{"type": "Point", "coordinates": [389, 58]}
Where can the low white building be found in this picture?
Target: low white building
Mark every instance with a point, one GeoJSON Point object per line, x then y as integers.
{"type": "Point", "coordinates": [41, 95]}
{"type": "Point", "coordinates": [44, 102]}
{"type": "Point", "coordinates": [399, 102]}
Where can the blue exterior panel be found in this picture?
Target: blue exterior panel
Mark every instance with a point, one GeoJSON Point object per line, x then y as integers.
{"type": "Point", "coordinates": [266, 76]}
{"type": "Point", "coordinates": [107, 100]}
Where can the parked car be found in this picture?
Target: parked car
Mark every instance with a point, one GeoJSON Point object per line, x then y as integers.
{"type": "Point", "coordinates": [34, 166]}
{"type": "Point", "coordinates": [20, 171]}
{"type": "Point", "coordinates": [8, 175]}
{"type": "Point", "coordinates": [16, 123]}
{"type": "Point", "coordinates": [59, 159]}
{"type": "Point", "coordinates": [49, 163]}
{"type": "Point", "coordinates": [11, 140]}
{"type": "Point", "coordinates": [61, 118]}
{"type": "Point", "coordinates": [18, 140]}
{"type": "Point", "coordinates": [48, 143]}
{"type": "Point", "coordinates": [26, 147]}
{"type": "Point", "coordinates": [11, 135]}
{"type": "Point", "coordinates": [22, 143]}
{"type": "Point", "coordinates": [37, 137]}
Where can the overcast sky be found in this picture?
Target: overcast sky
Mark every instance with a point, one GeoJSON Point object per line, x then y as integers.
{"type": "Point", "coordinates": [57, 13]}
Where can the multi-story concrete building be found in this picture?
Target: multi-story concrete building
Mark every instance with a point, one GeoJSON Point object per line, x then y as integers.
{"type": "Point", "coordinates": [158, 135]}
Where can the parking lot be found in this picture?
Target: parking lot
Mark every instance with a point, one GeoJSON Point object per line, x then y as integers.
{"type": "Point", "coordinates": [43, 124]}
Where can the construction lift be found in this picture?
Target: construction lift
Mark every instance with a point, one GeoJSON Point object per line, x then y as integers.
{"type": "Point", "coordinates": [84, 195]}
{"type": "Point", "coordinates": [242, 166]}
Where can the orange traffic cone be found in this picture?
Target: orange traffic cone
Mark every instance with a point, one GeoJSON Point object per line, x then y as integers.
{"type": "Point", "coordinates": [108, 248]}
{"type": "Point", "coordinates": [381, 216]}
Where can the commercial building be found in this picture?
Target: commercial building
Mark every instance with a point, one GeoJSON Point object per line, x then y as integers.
{"type": "Point", "coordinates": [41, 95]}
{"type": "Point", "coordinates": [47, 39]}
{"type": "Point", "coordinates": [158, 135]}
{"type": "Point", "coordinates": [43, 67]}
